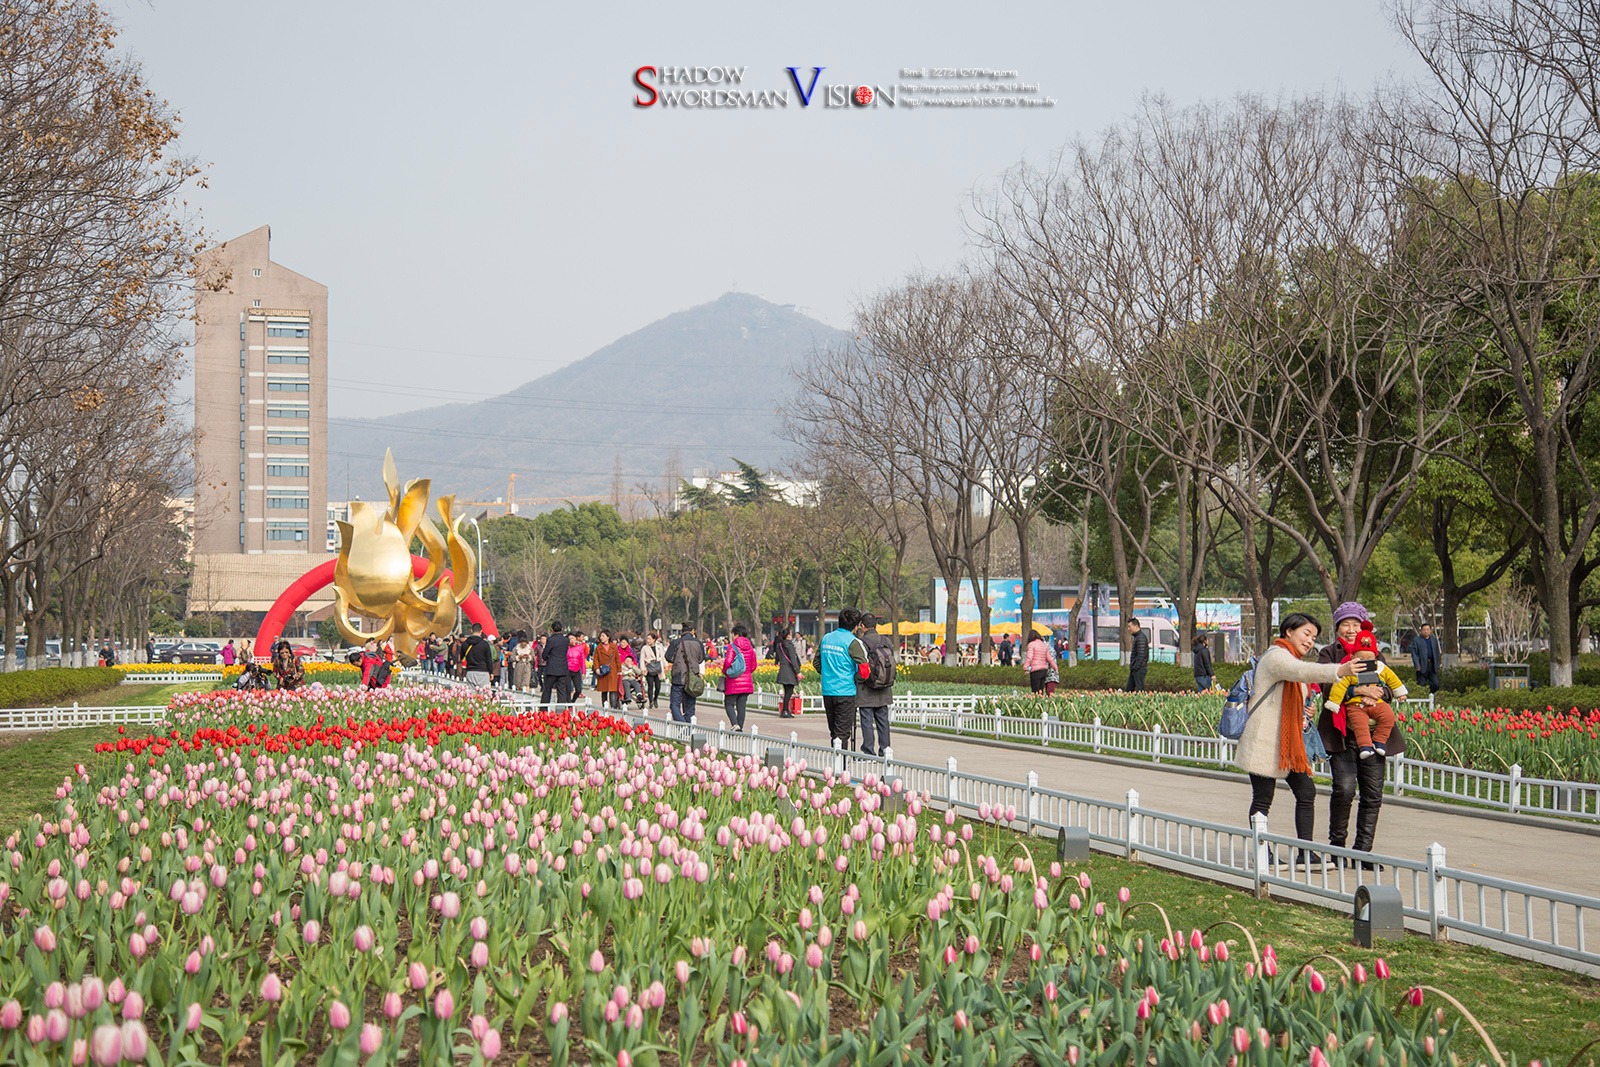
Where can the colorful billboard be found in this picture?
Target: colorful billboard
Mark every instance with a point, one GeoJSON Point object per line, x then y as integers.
{"type": "Point", "coordinates": [1005, 600]}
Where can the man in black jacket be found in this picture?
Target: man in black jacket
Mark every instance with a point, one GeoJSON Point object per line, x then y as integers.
{"type": "Point", "coordinates": [1203, 676]}
{"type": "Point", "coordinates": [557, 677]}
{"type": "Point", "coordinates": [1138, 657]}
{"type": "Point", "coordinates": [477, 657]}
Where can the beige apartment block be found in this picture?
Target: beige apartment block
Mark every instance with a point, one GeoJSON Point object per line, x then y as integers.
{"type": "Point", "coordinates": [261, 406]}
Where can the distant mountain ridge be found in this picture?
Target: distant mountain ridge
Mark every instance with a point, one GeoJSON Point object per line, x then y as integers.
{"type": "Point", "coordinates": [709, 381]}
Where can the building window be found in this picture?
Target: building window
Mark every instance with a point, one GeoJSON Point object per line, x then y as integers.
{"type": "Point", "coordinates": [256, 272]}
{"type": "Point", "coordinates": [275, 357]}
{"type": "Point", "coordinates": [241, 357]}
{"type": "Point", "coordinates": [241, 533]}
{"type": "Point", "coordinates": [285, 387]}
{"type": "Point", "coordinates": [241, 332]}
{"type": "Point", "coordinates": [241, 412]}
{"type": "Point", "coordinates": [285, 531]}
{"type": "Point", "coordinates": [288, 470]}
{"type": "Point", "coordinates": [241, 385]}
{"type": "Point", "coordinates": [282, 330]}
{"type": "Point", "coordinates": [283, 413]}
{"type": "Point", "coordinates": [255, 303]}
{"type": "Point", "coordinates": [288, 502]}
{"type": "Point", "coordinates": [288, 439]}
{"type": "Point", "coordinates": [241, 438]}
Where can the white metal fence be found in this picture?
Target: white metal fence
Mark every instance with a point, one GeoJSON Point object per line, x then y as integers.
{"type": "Point", "coordinates": [1512, 792]}
{"type": "Point", "coordinates": [171, 677]}
{"type": "Point", "coordinates": [75, 717]}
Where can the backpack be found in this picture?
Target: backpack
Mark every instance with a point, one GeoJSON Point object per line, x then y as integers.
{"type": "Point", "coordinates": [1238, 707]}
{"type": "Point", "coordinates": [880, 666]}
{"type": "Point", "coordinates": [494, 653]}
{"type": "Point", "coordinates": [737, 667]}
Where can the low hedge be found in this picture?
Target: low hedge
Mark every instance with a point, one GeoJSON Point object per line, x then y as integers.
{"type": "Point", "coordinates": [1088, 674]}
{"type": "Point", "coordinates": [1583, 697]}
{"type": "Point", "coordinates": [51, 685]}
{"type": "Point", "coordinates": [1585, 673]}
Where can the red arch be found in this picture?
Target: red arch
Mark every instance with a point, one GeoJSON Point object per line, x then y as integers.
{"type": "Point", "coordinates": [321, 576]}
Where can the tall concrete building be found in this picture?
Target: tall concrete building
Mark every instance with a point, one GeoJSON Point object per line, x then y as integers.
{"type": "Point", "coordinates": [261, 406]}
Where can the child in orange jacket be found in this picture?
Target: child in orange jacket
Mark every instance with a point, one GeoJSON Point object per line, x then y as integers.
{"type": "Point", "coordinates": [1371, 720]}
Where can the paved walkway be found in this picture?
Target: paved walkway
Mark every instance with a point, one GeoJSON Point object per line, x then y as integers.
{"type": "Point", "coordinates": [1549, 857]}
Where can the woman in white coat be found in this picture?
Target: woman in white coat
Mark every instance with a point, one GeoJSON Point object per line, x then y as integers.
{"type": "Point", "coordinates": [1272, 746]}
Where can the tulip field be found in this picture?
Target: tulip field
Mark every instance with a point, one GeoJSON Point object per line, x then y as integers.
{"type": "Point", "coordinates": [416, 876]}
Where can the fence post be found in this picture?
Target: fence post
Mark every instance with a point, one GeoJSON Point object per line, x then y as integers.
{"type": "Point", "coordinates": [1095, 733]}
{"type": "Point", "coordinates": [1155, 742]}
{"type": "Point", "coordinates": [1033, 799]}
{"type": "Point", "coordinates": [757, 750]}
{"type": "Point", "coordinates": [1516, 787]}
{"type": "Point", "coordinates": [1132, 829]}
{"type": "Point", "coordinates": [1259, 848]}
{"type": "Point", "coordinates": [958, 721]}
{"type": "Point", "coordinates": [1438, 900]}
{"type": "Point", "coordinates": [1400, 775]}
{"type": "Point", "coordinates": [950, 783]}
{"type": "Point", "coordinates": [1044, 728]}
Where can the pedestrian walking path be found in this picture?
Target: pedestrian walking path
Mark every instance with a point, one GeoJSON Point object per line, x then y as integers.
{"type": "Point", "coordinates": [1551, 857]}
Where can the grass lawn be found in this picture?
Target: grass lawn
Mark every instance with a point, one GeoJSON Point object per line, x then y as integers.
{"type": "Point", "coordinates": [1530, 1011]}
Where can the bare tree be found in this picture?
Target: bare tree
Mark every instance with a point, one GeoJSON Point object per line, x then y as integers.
{"type": "Point", "coordinates": [1501, 162]}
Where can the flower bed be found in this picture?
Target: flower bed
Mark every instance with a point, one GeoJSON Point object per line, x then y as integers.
{"type": "Point", "coordinates": [297, 875]}
{"type": "Point", "coordinates": [316, 670]}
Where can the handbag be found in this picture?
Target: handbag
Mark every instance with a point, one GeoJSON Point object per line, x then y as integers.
{"type": "Point", "coordinates": [694, 683]}
{"type": "Point", "coordinates": [737, 667]}
{"type": "Point", "coordinates": [602, 670]}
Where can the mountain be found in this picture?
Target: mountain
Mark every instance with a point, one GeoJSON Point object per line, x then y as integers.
{"type": "Point", "coordinates": [708, 382]}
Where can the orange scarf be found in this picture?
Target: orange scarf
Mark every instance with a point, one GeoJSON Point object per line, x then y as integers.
{"type": "Point", "coordinates": [1291, 735]}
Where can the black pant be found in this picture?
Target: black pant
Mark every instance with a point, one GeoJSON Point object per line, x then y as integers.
{"type": "Point", "coordinates": [1353, 775]}
{"type": "Point", "coordinates": [733, 705]}
{"type": "Point", "coordinates": [874, 730]}
{"type": "Point", "coordinates": [788, 695]}
{"type": "Point", "coordinates": [1305, 800]}
{"type": "Point", "coordinates": [1135, 680]}
{"type": "Point", "coordinates": [1036, 680]}
{"type": "Point", "coordinates": [841, 712]}
{"type": "Point", "coordinates": [559, 685]}
{"type": "Point", "coordinates": [652, 685]}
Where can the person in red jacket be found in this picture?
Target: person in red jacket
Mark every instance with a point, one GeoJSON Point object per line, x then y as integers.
{"type": "Point", "coordinates": [736, 690]}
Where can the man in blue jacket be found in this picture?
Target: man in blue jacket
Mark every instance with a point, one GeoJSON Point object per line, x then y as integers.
{"type": "Point", "coordinates": [842, 661]}
{"type": "Point", "coordinates": [1425, 657]}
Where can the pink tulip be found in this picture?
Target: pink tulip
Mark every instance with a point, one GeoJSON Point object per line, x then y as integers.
{"type": "Point", "coordinates": [480, 954]}
{"type": "Point", "coordinates": [35, 1024]}
{"type": "Point", "coordinates": [135, 1040]}
{"type": "Point", "coordinates": [450, 906]}
{"type": "Point", "coordinates": [444, 1004]}
{"type": "Point", "coordinates": [191, 965]}
{"type": "Point", "coordinates": [1317, 983]}
{"type": "Point", "coordinates": [338, 1015]}
{"type": "Point", "coordinates": [949, 955]}
{"type": "Point", "coordinates": [45, 939]}
{"type": "Point", "coordinates": [490, 1045]}
{"type": "Point", "coordinates": [10, 1015]}
{"type": "Point", "coordinates": [55, 995]}
{"type": "Point", "coordinates": [479, 927]}
{"type": "Point", "coordinates": [1320, 1060]}
{"type": "Point", "coordinates": [1381, 969]}
{"type": "Point", "coordinates": [558, 1013]}
{"type": "Point", "coordinates": [132, 1008]}
{"type": "Point", "coordinates": [192, 1022]}
{"type": "Point", "coordinates": [137, 945]}
{"type": "Point", "coordinates": [417, 974]}
{"type": "Point", "coordinates": [1222, 952]}
{"type": "Point", "coordinates": [961, 1020]}
{"type": "Point", "coordinates": [813, 957]}
{"type": "Point", "coordinates": [478, 1025]}
{"type": "Point", "coordinates": [392, 1006]}
{"type": "Point", "coordinates": [859, 930]}
{"type": "Point", "coordinates": [312, 931]}
{"type": "Point", "coordinates": [371, 1038]}
{"type": "Point", "coordinates": [1414, 996]}
{"type": "Point", "coordinates": [972, 944]}
{"type": "Point", "coordinates": [1051, 992]}
{"type": "Point", "coordinates": [1360, 974]}
{"type": "Point", "coordinates": [94, 993]}
{"type": "Point", "coordinates": [105, 1045]}
{"type": "Point", "coordinates": [364, 938]}
{"type": "Point", "coordinates": [1123, 895]}
{"type": "Point", "coordinates": [624, 1059]}
{"type": "Point", "coordinates": [56, 1025]}
{"type": "Point", "coordinates": [1073, 1055]}
{"type": "Point", "coordinates": [75, 1008]}
{"type": "Point", "coordinates": [682, 970]}
{"type": "Point", "coordinates": [1241, 1040]}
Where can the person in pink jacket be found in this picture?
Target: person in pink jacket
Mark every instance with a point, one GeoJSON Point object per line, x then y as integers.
{"type": "Point", "coordinates": [1036, 661]}
{"type": "Point", "coordinates": [736, 690]}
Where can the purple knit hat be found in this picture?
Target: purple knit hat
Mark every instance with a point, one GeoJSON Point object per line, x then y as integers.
{"type": "Point", "coordinates": [1350, 610]}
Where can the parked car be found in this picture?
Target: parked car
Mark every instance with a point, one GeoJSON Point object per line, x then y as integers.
{"type": "Point", "coordinates": [190, 652]}
{"type": "Point", "coordinates": [305, 652]}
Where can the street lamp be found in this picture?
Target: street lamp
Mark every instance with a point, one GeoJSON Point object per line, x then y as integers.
{"type": "Point", "coordinates": [479, 532]}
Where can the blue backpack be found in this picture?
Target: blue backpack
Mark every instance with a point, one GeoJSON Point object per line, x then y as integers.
{"type": "Point", "coordinates": [1237, 707]}
{"type": "Point", "coordinates": [738, 666]}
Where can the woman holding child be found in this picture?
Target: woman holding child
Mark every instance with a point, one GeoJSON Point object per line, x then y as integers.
{"type": "Point", "coordinates": [1358, 762]}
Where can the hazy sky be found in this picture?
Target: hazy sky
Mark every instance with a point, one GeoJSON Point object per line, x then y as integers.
{"type": "Point", "coordinates": [485, 203]}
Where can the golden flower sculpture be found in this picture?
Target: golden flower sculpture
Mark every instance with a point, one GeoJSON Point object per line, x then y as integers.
{"type": "Point", "coordinates": [373, 578]}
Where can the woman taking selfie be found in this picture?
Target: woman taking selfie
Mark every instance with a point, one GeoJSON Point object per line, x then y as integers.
{"type": "Point", "coordinates": [1272, 746]}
